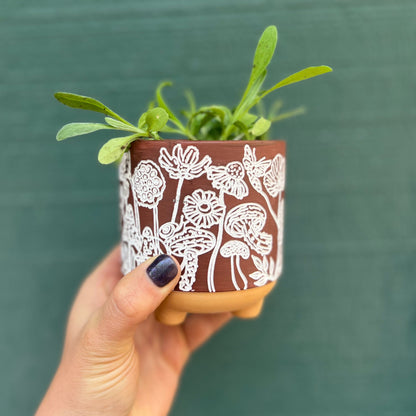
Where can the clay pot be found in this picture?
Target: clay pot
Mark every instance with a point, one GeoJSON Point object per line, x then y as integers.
{"type": "Point", "coordinates": [215, 206]}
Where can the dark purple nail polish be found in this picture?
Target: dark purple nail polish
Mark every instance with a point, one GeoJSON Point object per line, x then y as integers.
{"type": "Point", "coordinates": [162, 270]}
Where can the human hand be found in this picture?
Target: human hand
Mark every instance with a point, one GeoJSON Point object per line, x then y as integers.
{"type": "Point", "coordinates": [117, 359]}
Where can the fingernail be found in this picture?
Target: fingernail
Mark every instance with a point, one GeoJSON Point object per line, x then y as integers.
{"type": "Point", "coordinates": [162, 270]}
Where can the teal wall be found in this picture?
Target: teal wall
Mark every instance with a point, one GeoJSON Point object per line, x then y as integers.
{"type": "Point", "coordinates": [338, 336]}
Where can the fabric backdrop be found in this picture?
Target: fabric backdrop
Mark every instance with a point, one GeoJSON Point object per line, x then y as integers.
{"type": "Point", "coordinates": [338, 335]}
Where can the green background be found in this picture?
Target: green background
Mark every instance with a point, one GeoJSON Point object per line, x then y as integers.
{"type": "Point", "coordinates": [338, 336]}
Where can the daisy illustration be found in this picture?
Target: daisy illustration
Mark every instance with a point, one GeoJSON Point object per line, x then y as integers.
{"type": "Point", "coordinates": [203, 208]}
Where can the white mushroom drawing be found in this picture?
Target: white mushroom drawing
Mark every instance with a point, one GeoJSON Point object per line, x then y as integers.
{"type": "Point", "coordinates": [246, 221]}
{"type": "Point", "coordinates": [189, 242]}
{"type": "Point", "coordinates": [237, 249]}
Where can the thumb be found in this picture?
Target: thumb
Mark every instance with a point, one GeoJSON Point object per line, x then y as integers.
{"type": "Point", "coordinates": [132, 300]}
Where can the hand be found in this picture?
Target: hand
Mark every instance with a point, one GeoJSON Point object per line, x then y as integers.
{"type": "Point", "coordinates": [117, 359]}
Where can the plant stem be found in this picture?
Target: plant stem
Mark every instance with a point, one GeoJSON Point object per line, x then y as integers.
{"type": "Point", "coordinates": [233, 274]}
{"type": "Point", "coordinates": [213, 259]}
{"type": "Point", "coordinates": [136, 208]}
{"type": "Point", "coordinates": [177, 197]}
{"type": "Point", "coordinates": [243, 277]}
{"type": "Point", "coordinates": [156, 230]}
{"type": "Point", "coordinates": [273, 214]}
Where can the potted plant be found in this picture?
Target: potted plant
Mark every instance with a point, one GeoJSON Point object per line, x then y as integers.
{"type": "Point", "coordinates": [215, 201]}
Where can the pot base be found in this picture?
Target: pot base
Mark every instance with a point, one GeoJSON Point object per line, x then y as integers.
{"type": "Point", "coordinates": [245, 304]}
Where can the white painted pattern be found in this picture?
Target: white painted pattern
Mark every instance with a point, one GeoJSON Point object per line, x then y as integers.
{"type": "Point", "coordinates": [200, 226]}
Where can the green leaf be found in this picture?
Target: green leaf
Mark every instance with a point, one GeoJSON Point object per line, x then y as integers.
{"type": "Point", "coordinates": [161, 102]}
{"type": "Point", "coordinates": [248, 119]}
{"type": "Point", "coordinates": [261, 126]}
{"type": "Point", "coordinates": [264, 51]}
{"type": "Point", "coordinates": [191, 101]}
{"type": "Point", "coordinates": [216, 111]}
{"type": "Point", "coordinates": [142, 120]}
{"type": "Point", "coordinates": [306, 73]}
{"type": "Point", "coordinates": [78, 129]}
{"type": "Point", "coordinates": [168, 129]}
{"type": "Point", "coordinates": [275, 108]}
{"type": "Point", "coordinates": [156, 119]}
{"type": "Point", "coordinates": [198, 121]}
{"type": "Point", "coordinates": [251, 97]}
{"type": "Point", "coordinates": [119, 125]}
{"type": "Point", "coordinates": [263, 55]}
{"type": "Point", "coordinates": [114, 148]}
{"type": "Point", "coordinates": [240, 125]}
{"type": "Point", "coordinates": [86, 103]}
{"type": "Point", "coordinates": [289, 114]}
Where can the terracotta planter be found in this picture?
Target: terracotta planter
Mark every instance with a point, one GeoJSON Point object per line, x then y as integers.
{"type": "Point", "coordinates": [218, 208]}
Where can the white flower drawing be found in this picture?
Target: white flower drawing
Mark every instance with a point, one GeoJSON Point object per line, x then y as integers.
{"type": "Point", "coordinates": [203, 208]}
{"type": "Point", "coordinates": [274, 180]}
{"type": "Point", "coordinates": [229, 179]}
{"type": "Point", "coordinates": [255, 168]}
{"type": "Point", "coordinates": [246, 221]}
{"type": "Point", "coordinates": [183, 164]}
{"type": "Point", "coordinates": [237, 249]}
{"type": "Point", "coordinates": [266, 271]}
{"type": "Point", "coordinates": [149, 183]}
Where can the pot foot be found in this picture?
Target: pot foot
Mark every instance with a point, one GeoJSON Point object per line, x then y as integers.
{"type": "Point", "coordinates": [252, 311]}
{"type": "Point", "coordinates": [168, 316]}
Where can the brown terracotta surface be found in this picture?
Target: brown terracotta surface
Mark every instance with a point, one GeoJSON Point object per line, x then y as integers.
{"type": "Point", "coordinates": [221, 153]}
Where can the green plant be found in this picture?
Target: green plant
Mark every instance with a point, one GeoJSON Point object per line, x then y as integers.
{"type": "Point", "coordinates": [214, 122]}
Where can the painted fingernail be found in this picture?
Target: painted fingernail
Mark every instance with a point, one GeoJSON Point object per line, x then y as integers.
{"type": "Point", "coordinates": [162, 270]}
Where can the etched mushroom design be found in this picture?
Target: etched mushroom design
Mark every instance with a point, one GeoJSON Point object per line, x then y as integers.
{"type": "Point", "coordinates": [246, 221]}
{"type": "Point", "coordinates": [189, 243]}
{"type": "Point", "coordinates": [237, 249]}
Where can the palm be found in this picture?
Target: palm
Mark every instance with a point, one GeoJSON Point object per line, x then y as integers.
{"type": "Point", "coordinates": [163, 352]}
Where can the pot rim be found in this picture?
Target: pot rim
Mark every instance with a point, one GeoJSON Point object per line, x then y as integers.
{"type": "Point", "coordinates": [194, 142]}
